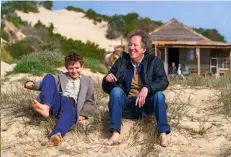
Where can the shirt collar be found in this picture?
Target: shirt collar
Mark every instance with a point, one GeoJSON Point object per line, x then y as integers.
{"type": "Point", "coordinates": [74, 79]}
{"type": "Point", "coordinates": [134, 65]}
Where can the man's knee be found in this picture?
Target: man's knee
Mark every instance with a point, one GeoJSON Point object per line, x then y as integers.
{"type": "Point", "coordinates": [159, 95]}
{"type": "Point", "coordinates": [116, 92]}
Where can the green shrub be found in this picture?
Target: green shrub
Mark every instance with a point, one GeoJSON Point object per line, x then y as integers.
{"type": "Point", "coordinates": [45, 35]}
{"type": "Point", "coordinates": [2, 25]}
{"type": "Point", "coordinates": [5, 56]}
{"type": "Point", "coordinates": [25, 6]}
{"type": "Point", "coordinates": [91, 14]}
{"type": "Point", "coordinates": [95, 65]}
{"type": "Point", "coordinates": [19, 49]}
{"type": "Point", "coordinates": [9, 7]}
{"type": "Point", "coordinates": [124, 24]}
{"type": "Point", "coordinates": [71, 8]}
{"type": "Point", "coordinates": [5, 35]}
{"type": "Point", "coordinates": [16, 20]}
{"type": "Point", "coordinates": [56, 41]}
{"type": "Point", "coordinates": [34, 67]}
{"type": "Point", "coordinates": [88, 49]}
{"type": "Point", "coordinates": [116, 27]}
{"type": "Point", "coordinates": [47, 4]}
{"type": "Point", "coordinates": [38, 63]}
{"type": "Point", "coordinates": [47, 57]}
{"type": "Point", "coordinates": [39, 24]}
{"type": "Point", "coordinates": [51, 28]}
{"type": "Point", "coordinates": [23, 47]}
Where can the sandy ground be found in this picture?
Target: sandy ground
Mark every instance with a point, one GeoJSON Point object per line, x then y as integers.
{"type": "Point", "coordinates": [6, 67]}
{"type": "Point", "coordinates": [75, 26]}
{"type": "Point", "coordinates": [199, 129]}
{"type": "Point", "coordinates": [203, 131]}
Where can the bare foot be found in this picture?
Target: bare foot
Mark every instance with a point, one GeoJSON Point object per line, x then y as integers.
{"type": "Point", "coordinates": [55, 139]}
{"type": "Point", "coordinates": [80, 118]}
{"type": "Point", "coordinates": [43, 109]}
{"type": "Point", "coordinates": [114, 140]}
{"type": "Point", "coordinates": [163, 139]}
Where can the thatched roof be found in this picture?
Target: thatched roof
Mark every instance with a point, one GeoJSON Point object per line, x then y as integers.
{"type": "Point", "coordinates": [174, 30]}
{"type": "Point", "coordinates": [174, 33]}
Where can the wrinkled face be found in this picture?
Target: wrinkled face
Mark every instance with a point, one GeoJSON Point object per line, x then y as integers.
{"type": "Point", "coordinates": [74, 70]}
{"type": "Point", "coordinates": [135, 48]}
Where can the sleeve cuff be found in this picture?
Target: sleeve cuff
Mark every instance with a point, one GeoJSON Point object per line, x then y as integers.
{"type": "Point", "coordinates": [147, 86]}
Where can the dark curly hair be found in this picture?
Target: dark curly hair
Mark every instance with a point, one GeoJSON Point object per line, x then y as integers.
{"type": "Point", "coordinates": [145, 40]}
{"type": "Point", "coordinates": [73, 57]}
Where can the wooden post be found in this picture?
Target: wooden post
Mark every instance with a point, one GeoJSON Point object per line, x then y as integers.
{"type": "Point", "coordinates": [155, 49]}
{"type": "Point", "coordinates": [230, 61]}
{"type": "Point", "coordinates": [166, 59]}
{"type": "Point", "coordinates": [198, 61]}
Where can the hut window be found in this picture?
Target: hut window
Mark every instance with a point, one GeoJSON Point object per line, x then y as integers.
{"type": "Point", "coordinates": [191, 54]}
{"type": "Point", "coordinates": [223, 63]}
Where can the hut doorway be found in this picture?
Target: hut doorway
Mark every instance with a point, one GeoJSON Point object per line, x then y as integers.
{"type": "Point", "coordinates": [173, 56]}
{"type": "Point", "coordinates": [214, 65]}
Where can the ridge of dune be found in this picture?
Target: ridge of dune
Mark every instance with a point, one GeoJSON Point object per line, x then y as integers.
{"type": "Point", "coordinates": [72, 25]}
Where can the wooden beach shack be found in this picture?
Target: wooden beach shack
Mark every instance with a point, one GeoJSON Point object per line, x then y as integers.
{"type": "Point", "coordinates": [176, 42]}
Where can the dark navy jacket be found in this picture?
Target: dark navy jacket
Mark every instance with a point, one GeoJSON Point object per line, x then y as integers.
{"type": "Point", "coordinates": [151, 71]}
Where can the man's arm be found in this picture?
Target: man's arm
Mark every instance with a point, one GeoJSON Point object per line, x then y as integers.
{"type": "Point", "coordinates": [106, 85]}
{"type": "Point", "coordinates": [161, 81]}
{"type": "Point", "coordinates": [89, 105]}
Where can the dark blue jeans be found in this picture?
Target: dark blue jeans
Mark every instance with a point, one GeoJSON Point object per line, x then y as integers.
{"type": "Point", "coordinates": [121, 105]}
{"type": "Point", "coordinates": [60, 106]}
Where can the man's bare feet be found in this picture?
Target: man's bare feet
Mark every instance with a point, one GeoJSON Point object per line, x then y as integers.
{"type": "Point", "coordinates": [163, 139]}
{"type": "Point", "coordinates": [55, 139]}
{"type": "Point", "coordinates": [43, 109]}
{"type": "Point", "coordinates": [114, 140]}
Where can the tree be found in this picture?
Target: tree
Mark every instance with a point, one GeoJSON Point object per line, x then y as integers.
{"type": "Point", "coordinates": [116, 27]}
{"type": "Point", "coordinates": [212, 34]}
{"type": "Point", "coordinates": [47, 4]}
{"type": "Point", "coordinates": [147, 25]}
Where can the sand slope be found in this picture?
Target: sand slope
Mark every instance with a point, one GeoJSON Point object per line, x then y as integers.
{"type": "Point", "coordinates": [24, 133]}
{"type": "Point", "coordinates": [72, 25]}
{"type": "Point", "coordinates": [6, 67]}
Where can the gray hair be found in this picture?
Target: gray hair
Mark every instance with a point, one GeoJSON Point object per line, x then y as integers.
{"type": "Point", "coordinates": [145, 40]}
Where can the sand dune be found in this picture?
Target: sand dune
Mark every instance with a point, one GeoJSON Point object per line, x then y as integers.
{"type": "Point", "coordinates": [6, 67]}
{"type": "Point", "coordinates": [24, 133]}
{"type": "Point", "coordinates": [72, 25]}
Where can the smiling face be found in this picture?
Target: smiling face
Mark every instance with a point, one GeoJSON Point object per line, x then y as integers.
{"type": "Point", "coordinates": [74, 69]}
{"type": "Point", "coordinates": [135, 48]}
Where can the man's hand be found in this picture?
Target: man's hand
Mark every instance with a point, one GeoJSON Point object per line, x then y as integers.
{"type": "Point", "coordinates": [140, 100]}
{"type": "Point", "coordinates": [111, 78]}
{"type": "Point", "coordinates": [81, 118]}
{"type": "Point", "coordinates": [29, 85]}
